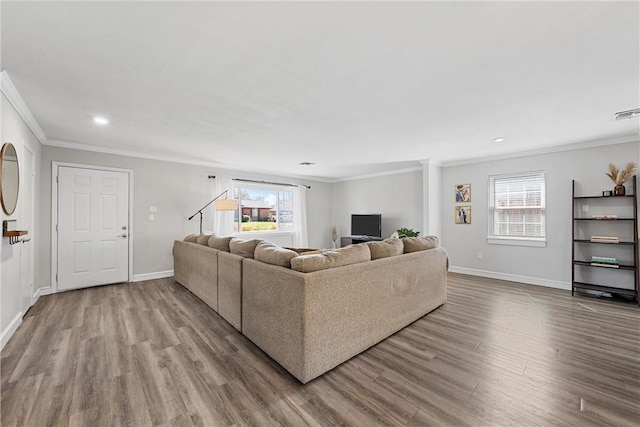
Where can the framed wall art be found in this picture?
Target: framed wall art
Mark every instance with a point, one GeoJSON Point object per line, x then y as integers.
{"type": "Point", "coordinates": [462, 214]}
{"type": "Point", "coordinates": [463, 193]}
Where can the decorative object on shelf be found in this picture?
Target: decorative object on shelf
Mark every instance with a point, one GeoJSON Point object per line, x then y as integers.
{"type": "Point", "coordinates": [463, 193]}
{"type": "Point", "coordinates": [334, 236]}
{"type": "Point", "coordinates": [607, 193]}
{"type": "Point", "coordinates": [407, 232]}
{"type": "Point", "coordinates": [9, 178]}
{"type": "Point", "coordinates": [221, 205]}
{"type": "Point", "coordinates": [462, 214]}
{"type": "Point", "coordinates": [619, 177]}
{"type": "Point", "coordinates": [9, 229]}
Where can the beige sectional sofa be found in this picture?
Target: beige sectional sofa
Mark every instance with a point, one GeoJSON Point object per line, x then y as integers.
{"type": "Point", "coordinates": [312, 312]}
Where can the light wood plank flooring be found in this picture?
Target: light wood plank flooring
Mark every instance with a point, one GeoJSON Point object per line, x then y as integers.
{"type": "Point", "coordinates": [497, 353]}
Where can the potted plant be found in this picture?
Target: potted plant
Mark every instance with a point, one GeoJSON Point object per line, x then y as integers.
{"type": "Point", "coordinates": [407, 232]}
{"type": "Point", "coordinates": [619, 177]}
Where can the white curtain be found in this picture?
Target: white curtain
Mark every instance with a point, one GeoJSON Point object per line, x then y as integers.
{"type": "Point", "coordinates": [300, 235]}
{"type": "Point", "coordinates": [223, 220]}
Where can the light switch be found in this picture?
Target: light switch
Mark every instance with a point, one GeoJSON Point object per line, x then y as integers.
{"type": "Point", "coordinates": [153, 209]}
{"type": "Point", "coordinates": [585, 208]}
{"type": "Point", "coordinates": [152, 217]}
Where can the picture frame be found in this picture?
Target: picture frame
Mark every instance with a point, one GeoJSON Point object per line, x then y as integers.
{"type": "Point", "coordinates": [462, 193]}
{"type": "Point", "coordinates": [462, 214]}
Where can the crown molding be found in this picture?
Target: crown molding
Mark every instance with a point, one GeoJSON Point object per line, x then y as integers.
{"type": "Point", "coordinates": [546, 150]}
{"type": "Point", "coordinates": [173, 159]}
{"type": "Point", "coordinates": [432, 162]}
{"type": "Point", "coordinates": [9, 90]}
{"type": "Point", "coordinates": [377, 174]}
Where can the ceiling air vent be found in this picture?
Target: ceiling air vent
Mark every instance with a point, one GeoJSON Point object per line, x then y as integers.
{"type": "Point", "coordinates": [629, 114]}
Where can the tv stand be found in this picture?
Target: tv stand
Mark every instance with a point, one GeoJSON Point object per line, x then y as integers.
{"type": "Point", "coordinates": [352, 240]}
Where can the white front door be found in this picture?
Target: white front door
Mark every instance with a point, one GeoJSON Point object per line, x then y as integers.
{"type": "Point", "coordinates": [93, 227]}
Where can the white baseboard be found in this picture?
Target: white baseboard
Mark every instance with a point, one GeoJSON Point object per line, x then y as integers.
{"type": "Point", "coordinates": [512, 278]}
{"type": "Point", "coordinates": [9, 330]}
{"type": "Point", "coordinates": [152, 276]}
{"type": "Point", "coordinates": [40, 292]}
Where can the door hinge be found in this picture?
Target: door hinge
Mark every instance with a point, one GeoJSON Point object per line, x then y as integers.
{"type": "Point", "coordinates": [56, 228]}
{"type": "Point", "coordinates": [57, 179]}
{"type": "Point", "coordinates": [56, 277]}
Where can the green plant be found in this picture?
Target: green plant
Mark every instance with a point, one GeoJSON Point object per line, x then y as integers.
{"type": "Point", "coordinates": [407, 232]}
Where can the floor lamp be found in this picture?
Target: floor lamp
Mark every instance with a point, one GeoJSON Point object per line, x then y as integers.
{"type": "Point", "coordinates": [221, 205]}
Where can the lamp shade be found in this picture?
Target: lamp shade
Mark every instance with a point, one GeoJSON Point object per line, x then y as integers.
{"type": "Point", "coordinates": [226, 205]}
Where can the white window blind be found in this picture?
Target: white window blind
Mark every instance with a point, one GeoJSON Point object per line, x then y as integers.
{"type": "Point", "coordinates": [517, 206]}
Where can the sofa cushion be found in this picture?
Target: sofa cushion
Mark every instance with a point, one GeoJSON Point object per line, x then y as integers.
{"type": "Point", "coordinates": [203, 239]}
{"type": "Point", "coordinates": [415, 244]}
{"type": "Point", "coordinates": [219, 243]}
{"type": "Point", "coordinates": [272, 254]}
{"type": "Point", "coordinates": [243, 248]}
{"type": "Point", "coordinates": [386, 248]}
{"type": "Point", "coordinates": [191, 238]}
{"type": "Point", "coordinates": [351, 254]}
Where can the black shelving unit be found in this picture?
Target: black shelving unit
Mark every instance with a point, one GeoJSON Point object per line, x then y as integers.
{"type": "Point", "coordinates": [629, 241]}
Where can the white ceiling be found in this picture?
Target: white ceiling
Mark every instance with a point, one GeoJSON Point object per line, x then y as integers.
{"type": "Point", "coordinates": [355, 87]}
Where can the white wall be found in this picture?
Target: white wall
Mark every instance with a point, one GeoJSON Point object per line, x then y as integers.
{"type": "Point", "coordinates": [177, 190]}
{"type": "Point", "coordinates": [550, 265]}
{"type": "Point", "coordinates": [397, 197]}
{"type": "Point", "coordinates": [14, 130]}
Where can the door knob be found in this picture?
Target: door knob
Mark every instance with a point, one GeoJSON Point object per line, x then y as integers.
{"type": "Point", "coordinates": [123, 235]}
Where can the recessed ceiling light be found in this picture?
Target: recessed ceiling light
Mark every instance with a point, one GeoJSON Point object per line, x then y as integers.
{"type": "Point", "coordinates": [307, 164]}
{"type": "Point", "coordinates": [499, 139]}
{"type": "Point", "coordinates": [100, 121]}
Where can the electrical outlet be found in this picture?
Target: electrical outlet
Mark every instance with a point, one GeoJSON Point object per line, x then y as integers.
{"type": "Point", "coordinates": [585, 208]}
{"type": "Point", "coordinates": [152, 217]}
{"type": "Point", "coordinates": [479, 255]}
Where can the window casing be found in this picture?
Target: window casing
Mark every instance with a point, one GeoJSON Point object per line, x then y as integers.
{"type": "Point", "coordinates": [517, 209]}
{"type": "Point", "coordinates": [263, 209]}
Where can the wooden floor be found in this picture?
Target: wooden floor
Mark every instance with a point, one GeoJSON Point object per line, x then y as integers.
{"type": "Point", "coordinates": [497, 353]}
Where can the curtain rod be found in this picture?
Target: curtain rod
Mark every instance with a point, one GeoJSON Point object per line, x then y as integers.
{"type": "Point", "coordinates": [272, 183]}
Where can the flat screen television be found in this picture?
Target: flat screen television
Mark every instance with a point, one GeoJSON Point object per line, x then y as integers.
{"type": "Point", "coordinates": [366, 225]}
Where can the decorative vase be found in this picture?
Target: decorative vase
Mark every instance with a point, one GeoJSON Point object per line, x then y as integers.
{"type": "Point", "coordinates": [618, 190]}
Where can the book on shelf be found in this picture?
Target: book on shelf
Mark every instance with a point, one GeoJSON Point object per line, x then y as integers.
{"type": "Point", "coordinates": [607, 216]}
{"type": "Point", "coordinates": [605, 239]}
{"type": "Point", "coordinates": [598, 264]}
{"type": "Point", "coordinates": [604, 260]}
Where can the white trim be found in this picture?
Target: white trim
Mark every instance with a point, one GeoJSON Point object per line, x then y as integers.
{"type": "Point", "coordinates": [152, 276]}
{"type": "Point", "coordinates": [512, 278]}
{"type": "Point", "coordinates": [433, 162]}
{"type": "Point", "coordinates": [13, 96]}
{"type": "Point", "coordinates": [8, 332]}
{"type": "Point", "coordinates": [54, 215]}
{"type": "Point", "coordinates": [174, 159]}
{"type": "Point", "coordinates": [377, 174]}
{"type": "Point", "coordinates": [41, 292]}
{"type": "Point", "coordinates": [546, 150]}
{"type": "Point", "coordinates": [517, 241]}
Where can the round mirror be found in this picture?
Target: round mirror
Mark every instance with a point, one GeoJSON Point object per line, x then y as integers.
{"type": "Point", "coordinates": [9, 179]}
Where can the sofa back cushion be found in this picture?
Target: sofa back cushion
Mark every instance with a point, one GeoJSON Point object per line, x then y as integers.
{"type": "Point", "coordinates": [272, 254]}
{"type": "Point", "coordinates": [386, 248]}
{"type": "Point", "coordinates": [219, 243]}
{"type": "Point", "coordinates": [191, 238]}
{"type": "Point", "coordinates": [352, 254]}
{"type": "Point", "coordinates": [415, 244]}
{"type": "Point", "coordinates": [203, 239]}
{"type": "Point", "coordinates": [243, 248]}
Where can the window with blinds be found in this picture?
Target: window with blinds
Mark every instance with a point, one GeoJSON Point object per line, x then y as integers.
{"type": "Point", "coordinates": [517, 206]}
